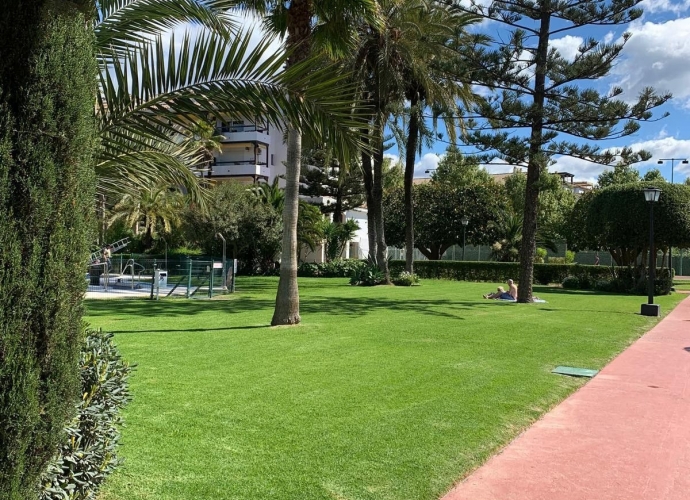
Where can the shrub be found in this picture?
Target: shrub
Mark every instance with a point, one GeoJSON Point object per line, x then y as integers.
{"type": "Point", "coordinates": [501, 271]}
{"type": "Point", "coordinates": [571, 282]}
{"type": "Point", "coordinates": [88, 454]}
{"type": "Point", "coordinates": [309, 270]}
{"type": "Point", "coordinates": [603, 285]}
{"type": "Point", "coordinates": [340, 268]}
{"type": "Point", "coordinates": [540, 255]}
{"type": "Point", "coordinates": [369, 275]}
{"type": "Point", "coordinates": [569, 257]}
{"type": "Point", "coordinates": [406, 279]}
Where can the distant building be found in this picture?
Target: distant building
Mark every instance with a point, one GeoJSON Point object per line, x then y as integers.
{"type": "Point", "coordinates": [251, 151]}
{"type": "Point", "coordinates": [578, 188]}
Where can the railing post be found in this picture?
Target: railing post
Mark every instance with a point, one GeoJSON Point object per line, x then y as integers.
{"type": "Point", "coordinates": [189, 275]}
{"type": "Point", "coordinates": [210, 280]}
{"type": "Point", "coordinates": [153, 278]}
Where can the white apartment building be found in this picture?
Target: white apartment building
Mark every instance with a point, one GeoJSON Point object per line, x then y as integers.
{"type": "Point", "coordinates": [251, 151]}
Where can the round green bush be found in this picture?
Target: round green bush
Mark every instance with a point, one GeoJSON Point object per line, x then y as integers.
{"type": "Point", "coordinates": [571, 282]}
{"type": "Point", "coordinates": [603, 285]}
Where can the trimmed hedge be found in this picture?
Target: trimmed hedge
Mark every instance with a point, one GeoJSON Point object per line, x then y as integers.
{"type": "Point", "coordinates": [625, 280]}
{"type": "Point", "coordinates": [341, 268]}
{"type": "Point", "coordinates": [499, 271]}
{"type": "Point", "coordinates": [88, 453]}
{"type": "Point", "coordinates": [620, 279]}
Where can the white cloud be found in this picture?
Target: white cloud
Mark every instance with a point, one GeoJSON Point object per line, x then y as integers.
{"type": "Point", "coordinates": [664, 147]}
{"type": "Point", "coordinates": [428, 162]}
{"type": "Point", "coordinates": [667, 147]}
{"type": "Point", "coordinates": [657, 55]}
{"type": "Point", "coordinates": [395, 159]}
{"type": "Point", "coordinates": [656, 6]}
{"type": "Point", "coordinates": [567, 46]}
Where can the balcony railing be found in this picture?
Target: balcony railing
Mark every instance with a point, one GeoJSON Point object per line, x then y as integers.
{"type": "Point", "coordinates": [240, 168]}
{"type": "Point", "coordinates": [241, 128]}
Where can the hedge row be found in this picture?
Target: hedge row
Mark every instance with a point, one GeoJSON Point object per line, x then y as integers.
{"type": "Point", "coordinates": [623, 278]}
{"type": "Point", "coordinates": [626, 280]}
{"type": "Point", "coordinates": [499, 271]}
{"type": "Point", "coordinates": [89, 451]}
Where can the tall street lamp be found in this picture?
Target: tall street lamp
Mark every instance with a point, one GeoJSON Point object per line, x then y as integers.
{"type": "Point", "coordinates": [673, 161]}
{"type": "Point", "coordinates": [651, 195]}
{"type": "Point", "coordinates": [661, 161]}
{"type": "Point", "coordinates": [464, 222]}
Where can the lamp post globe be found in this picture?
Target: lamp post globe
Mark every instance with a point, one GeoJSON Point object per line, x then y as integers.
{"type": "Point", "coordinates": [651, 196]}
{"type": "Point", "coordinates": [464, 222]}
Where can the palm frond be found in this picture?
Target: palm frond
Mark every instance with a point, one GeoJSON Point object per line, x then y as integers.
{"type": "Point", "coordinates": [136, 166]}
{"type": "Point", "coordinates": [124, 24]}
{"type": "Point", "coordinates": [150, 94]}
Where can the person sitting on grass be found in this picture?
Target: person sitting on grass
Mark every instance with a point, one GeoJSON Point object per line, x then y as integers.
{"type": "Point", "coordinates": [501, 294]}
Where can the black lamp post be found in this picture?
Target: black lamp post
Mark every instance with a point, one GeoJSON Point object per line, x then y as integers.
{"type": "Point", "coordinates": [661, 161]}
{"type": "Point", "coordinates": [673, 161]}
{"type": "Point", "coordinates": [651, 195]}
{"type": "Point", "coordinates": [464, 222]}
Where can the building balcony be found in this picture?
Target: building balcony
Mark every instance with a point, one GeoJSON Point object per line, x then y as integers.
{"type": "Point", "coordinates": [241, 168]}
{"type": "Point", "coordinates": [245, 134]}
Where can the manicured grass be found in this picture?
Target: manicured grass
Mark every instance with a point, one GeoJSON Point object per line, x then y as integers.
{"type": "Point", "coordinates": [682, 285]}
{"type": "Point", "coordinates": [381, 393]}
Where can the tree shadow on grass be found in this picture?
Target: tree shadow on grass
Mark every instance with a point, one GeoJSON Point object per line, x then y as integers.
{"type": "Point", "coordinates": [312, 303]}
{"type": "Point", "coordinates": [184, 330]}
{"type": "Point", "coordinates": [174, 307]}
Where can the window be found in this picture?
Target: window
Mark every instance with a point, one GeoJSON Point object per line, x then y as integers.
{"type": "Point", "coordinates": [272, 159]}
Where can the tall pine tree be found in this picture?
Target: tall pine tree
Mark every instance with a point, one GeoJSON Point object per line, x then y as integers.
{"type": "Point", "coordinates": [324, 177]}
{"type": "Point", "coordinates": [537, 92]}
{"type": "Point", "coordinates": [47, 130]}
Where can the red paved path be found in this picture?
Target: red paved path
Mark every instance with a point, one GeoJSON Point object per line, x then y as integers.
{"type": "Point", "coordinates": [625, 435]}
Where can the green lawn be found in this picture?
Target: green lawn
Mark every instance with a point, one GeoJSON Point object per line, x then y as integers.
{"type": "Point", "coordinates": [381, 393]}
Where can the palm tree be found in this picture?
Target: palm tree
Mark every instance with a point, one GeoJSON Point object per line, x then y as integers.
{"type": "Point", "coordinates": [270, 194]}
{"type": "Point", "coordinates": [412, 60]}
{"type": "Point", "coordinates": [157, 208]}
{"type": "Point", "coordinates": [326, 27]}
{"type": "Point", "coordinates": [154, 90]}
{"type": "Point", "coordinates": [204, 141]}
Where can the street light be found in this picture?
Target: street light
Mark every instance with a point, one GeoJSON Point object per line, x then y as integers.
{"type": "Point", "coordinates": [464, 222]}
{"type": "Point", "coordinates": [651, 196]}
{"type": "Point", "coordinates": [661, 161]}
{"type": "Point", "coordinates": [673, 161]}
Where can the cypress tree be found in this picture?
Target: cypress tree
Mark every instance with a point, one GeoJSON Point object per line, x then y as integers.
{"type": "Point", "coordinates": [47, 132]}
{"type": "Point", "coordinates": [538, 93]}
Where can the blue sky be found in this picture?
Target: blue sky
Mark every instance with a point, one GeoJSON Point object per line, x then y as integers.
{"type": "Point", "coordinates": [657, 55]}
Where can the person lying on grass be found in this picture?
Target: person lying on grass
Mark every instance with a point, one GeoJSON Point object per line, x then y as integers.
{"type": "Point", "coordinates": [501, 294]}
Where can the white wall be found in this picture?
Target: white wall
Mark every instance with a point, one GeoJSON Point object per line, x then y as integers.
{"type": "Point", "coordinates": [361, 237]}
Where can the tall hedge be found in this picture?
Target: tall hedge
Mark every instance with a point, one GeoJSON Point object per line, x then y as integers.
{"type": "Point", "coordinates": [47, 131]}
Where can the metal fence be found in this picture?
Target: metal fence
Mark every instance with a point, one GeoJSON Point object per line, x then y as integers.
{"type": "Point", "coordinates": [145, 277]}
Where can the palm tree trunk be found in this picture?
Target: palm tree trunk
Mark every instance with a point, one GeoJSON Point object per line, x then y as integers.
{"type": "Point", "coordinates": [368, 173]}
{"type": "Point", "coordinates": [286, 311]}
{"type": "Point", "coordinates": [287, 299]}
{"type": "Point", "coordinates": [410, 155]}
{"type": "Point", "coordinates": [381, 247]}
